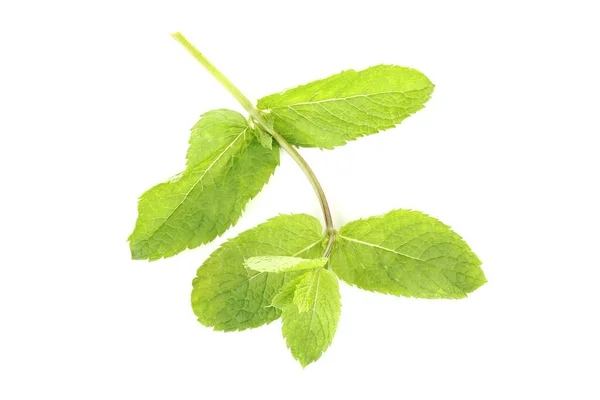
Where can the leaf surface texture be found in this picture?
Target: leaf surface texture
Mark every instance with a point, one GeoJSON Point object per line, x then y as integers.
{"type": "Point", "coordinates": [228, 296]}
{"type": "Point", "coordinates": [406, 253]}
{"type": "Point", "coordinates": [329, 112]}
{"type": "Point", "coordinates": [310, 316]}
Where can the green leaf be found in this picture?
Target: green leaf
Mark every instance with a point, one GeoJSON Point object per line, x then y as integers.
{"type": "Point", "coordinates": [226, 168]}
{"type": "Point", "coordinates": [285, 297]}
{"type": "Point", "coordinates": [310, 317]}
{"type": "Point", "coordinates": [406, 253]}
{"type": "Point", "coordinates": [264, 138]}
{"type": "Point", "coordinates": [227, 296]}
{"type": "Point", "coordinates": [329, 112]}
{"type": "Point", "coordinates": [215, 131]}
{"type": "Point", "coordinates": [283, 264]}
{"type": "Point", "coordinates": [298, 291]}
{"type": "Point", "coordinates": [305, 292]}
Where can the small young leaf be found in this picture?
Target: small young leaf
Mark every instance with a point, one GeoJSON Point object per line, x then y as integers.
{"type": "Point", "coordinates": [283, 264]}
{"type": "Point", "coordinates": [228, 297]}
{"type": "Point", "coordinates": [306, 290]}
{"type": "Point", "coordinates": [406, 253]}
{"type": "Point", "coordinates": [226, 168]}
{"type": "Point", "coordinates": [285, 297]}
{"type": "Point", "coordinates": [311, 318]}
{"type": "Point", "coordinates": [329, 112]}
{"type": "Point", "coordinates": [263, 137]}
{"type": "Point", "coordinates": [298, 291]}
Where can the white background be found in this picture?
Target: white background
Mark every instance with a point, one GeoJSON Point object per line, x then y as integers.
{"type": "Point", "coordinates": [96, 102]}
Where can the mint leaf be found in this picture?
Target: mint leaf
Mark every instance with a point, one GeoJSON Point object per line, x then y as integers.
{"type": "Point", "coordinates": [283, 264]}
{"type": "Point", "coordinates": [406, 253]}
{"type": "Point", "coordinates": [215, 131]}
{"type": "Point", "coordinates": [227, 296]}
{"type": "Point", "coordinates": [285, 297]}
{"type": "Point", "coordinates": [263, 137]}
{"type": "Point", "coordinates": [310, 317]}
{"type": "Point", "coordinates": [298, 291]}
{"type": "Point", "coordinates": [226, 168]}
{"type": "Point", "coordinates": [306, 290]}
{"type": "Point", "coordinates": [329, 112]}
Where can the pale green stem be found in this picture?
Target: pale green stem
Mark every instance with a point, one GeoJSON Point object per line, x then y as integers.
{"type": "Point", "coordinates": [257, 116]}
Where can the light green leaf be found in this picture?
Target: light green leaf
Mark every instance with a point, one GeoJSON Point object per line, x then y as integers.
{"type": "Point", "coordinates": [406, 253]}
{"type": "Point", "coordinates": [310, 327]}
{"type": "Point", "coordinates": [329, 112]}
{"type": "Point", "coordinates": [283, 264]}
{"type": "Point", "coordinates": [264, 138]}
{"type": "Point", "coordinates": [285, 297]}
{"type": "Point", "coordinates": [305, 292]}
{"type": "Point", "coordinates": [227, 296]}
{"type": "Point", "coordinates": [299, 291]}
{"type": "Point", "coordinates": [226, 168]}
{"type": "Point", "coordinates": [215, 131]}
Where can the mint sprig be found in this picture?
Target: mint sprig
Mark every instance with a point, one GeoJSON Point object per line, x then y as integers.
{"type": "Point", "coordinates": [289, 266]}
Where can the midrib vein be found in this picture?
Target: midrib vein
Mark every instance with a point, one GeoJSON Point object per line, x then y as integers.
{"type": "Point", "coordinates": [340, 99]}
{"type": "Point", "coordinates": [313, 312]}
{"type": "Point", "coordinates": [307, 247]}
{"type": "Point", "coordinates": [199, 180]}
{"type": "Point", "coordinates": [378, 247]}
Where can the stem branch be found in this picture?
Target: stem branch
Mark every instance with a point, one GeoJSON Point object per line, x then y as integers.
{"type": "Point", "coordinates": [257, 116]}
